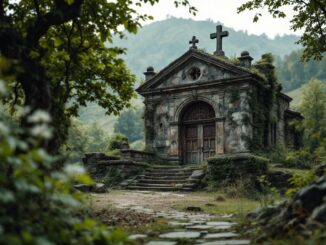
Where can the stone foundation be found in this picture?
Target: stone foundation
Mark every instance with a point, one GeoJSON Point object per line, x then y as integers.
{"type": "Point", "coordinates": [100, 166]}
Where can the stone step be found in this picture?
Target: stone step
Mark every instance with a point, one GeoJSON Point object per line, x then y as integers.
{"type": "Point", "coordinates": [170, 174]}
{"type": "Point", "coordinates": [170, 171]}
{"type": "Point", "coordinates": [146, 188]}
{"type": "Point", "coordinates": [162, 181]}
{"type": "Point", "coordinates": [166, 178]}
{"type": "Point", "coordinates": [155, 185]}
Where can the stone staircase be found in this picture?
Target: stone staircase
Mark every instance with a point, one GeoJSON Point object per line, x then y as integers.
{"type": "Point", "coordinates": [168, 178]}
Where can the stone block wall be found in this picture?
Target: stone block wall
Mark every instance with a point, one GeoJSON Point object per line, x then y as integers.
{"type": "Point", "coordinates": [164, 111]}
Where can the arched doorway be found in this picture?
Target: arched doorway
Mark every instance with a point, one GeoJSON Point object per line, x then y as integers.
{"type": "Point", "coordinates": [198, 134]}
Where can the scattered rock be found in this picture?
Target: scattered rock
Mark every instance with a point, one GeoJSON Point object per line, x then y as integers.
{"type": "Point", "coordinates": [254, 213]}
{"type": "Point", "coordinates": [220, 199]}
{"type": "Point", "coordinates": [197, 174]}
{"type": "Point", "coordinates": [221, 235]}
{"type": "Point", "coordinates": [83, 187]}
{"type": "Point", "coordinates": [177, 223]}
{"type": "Point", "coordinates": [161, 243]}
{"type": "Point", "coordinates": [181, 234]}
{"type": "Point", "coordinates": [320, 170]}
{"type": "Point", "coordinates": [303, 213]}
{"type": "Point", "coordinates": [227, 242]}
{"type": "Point", "coordinates": [319, 214]}
{"type": "Point", "coordinates": [210, 205]}
{"type": "Point", "coordinates": [99, 188]}
{"type": "Point", "coordinates": [194, 209]}
{"type": "Point", "coordinates": [219, 223]}
{"type": "Point", "coordinates": [199, 227]}
{"type": "Point", "coordinates": [137, 237]}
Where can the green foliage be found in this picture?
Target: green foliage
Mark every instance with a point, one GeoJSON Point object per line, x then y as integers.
{"type": "Point", "coordinates": [231, 167]}
{"type": "Point", "coordinates": [313, 108]}
{"type": "Point", "coordinates": [261, 102]}
{"type": "Point", "coordinates": [116, 142]}
{"type": "Point", "coordinates": [38, 204]}
{"type": "Point", "coordinates": [301, 159]}
{"type": "Point", "coordinates": [60, 58]}
{"type": "Point", "coordinates": [138, 145]}
{"type": "Point", "coordinates": [268, 193]}
{"type": "Point", "coordinates": [130, 124]}
{"type": "Point", "coordinates": [299, 181]}
{"type": "Point", "coordinates": [310, 15]}
{"type": "Point", "coordinates": [293, 73]}
{"type": "Point", "coordinates": [84, 139]}
{"type": "Point", "coordinates": [142, 52]}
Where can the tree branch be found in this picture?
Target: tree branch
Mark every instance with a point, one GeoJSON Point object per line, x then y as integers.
{"type": "Point", "coordinates": [37, 7]}
{"type": "Point", "coordinates": [2, 11]}
{"type": "Point", "coordinates": [62, 13]}
{"type": "Point", "coordinates": [321, 6]}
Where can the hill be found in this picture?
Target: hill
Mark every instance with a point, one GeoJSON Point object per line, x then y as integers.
{"type": "Point", "coordinates": [159, 43]}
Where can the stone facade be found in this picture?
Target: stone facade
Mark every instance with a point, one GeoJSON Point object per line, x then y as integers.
{"type": "Point", "coordinates": [177, 128]}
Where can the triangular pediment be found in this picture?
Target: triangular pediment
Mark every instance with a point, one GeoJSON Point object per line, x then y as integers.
{"type": "Point", "coordinates": [193, 67]}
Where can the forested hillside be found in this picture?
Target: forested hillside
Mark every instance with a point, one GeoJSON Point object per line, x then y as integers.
{"type": "Point", "coordinates": [293, 73]}
{"type": "Point", "coordinates": [161, 42]}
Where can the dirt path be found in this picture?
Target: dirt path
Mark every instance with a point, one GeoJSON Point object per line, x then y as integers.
{"type": "Point", "coordinates": [144, 209]}
{"type": "Point", "coordinates": [157, 201]}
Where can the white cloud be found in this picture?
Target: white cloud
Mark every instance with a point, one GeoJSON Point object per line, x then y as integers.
{"type": "Point", "coordinates": [224, 11]}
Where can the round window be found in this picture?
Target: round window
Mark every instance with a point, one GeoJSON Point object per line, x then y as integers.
{"type": "Point", "coordinates": [194, 73]}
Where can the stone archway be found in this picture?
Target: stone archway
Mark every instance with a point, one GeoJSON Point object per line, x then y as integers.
{"type": "Point", "coordinates": [198, 132]}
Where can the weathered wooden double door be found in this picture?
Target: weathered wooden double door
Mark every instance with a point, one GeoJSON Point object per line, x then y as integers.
{"type": "Point", "coordinates": [198, 133]}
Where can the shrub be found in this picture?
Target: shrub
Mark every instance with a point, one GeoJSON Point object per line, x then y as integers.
{"type": "Point", "coordinates": [233, 166]}
{"type": "Point", "coordinates": [38, 204]}
{"type": "Point", "coordinates": [302, 159]}
{"type": "Point", "coordinates": [116, 141]}
{"type": "Point", "coordinates": [138, 145]}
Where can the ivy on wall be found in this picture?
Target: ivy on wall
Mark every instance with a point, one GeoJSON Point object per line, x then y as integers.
{"type": "Point", "coordinates": [261, 101]}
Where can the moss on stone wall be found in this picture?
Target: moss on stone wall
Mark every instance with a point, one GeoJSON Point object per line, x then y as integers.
{"type": "Point", "coordinates": [149, 124]}
{"type": "Point", "coordinates": [261, 101]}
{"type": "Point", "coordinates": [229, 167]}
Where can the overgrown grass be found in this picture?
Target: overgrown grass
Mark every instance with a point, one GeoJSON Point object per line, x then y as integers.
{"type": "Point", "coordinates": [219, 207]}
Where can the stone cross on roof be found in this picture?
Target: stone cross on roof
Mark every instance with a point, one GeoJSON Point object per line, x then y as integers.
{"type": "Point", "coordinates": [219, 34]}
{"type": "Point", "coordinates": [193, 41]}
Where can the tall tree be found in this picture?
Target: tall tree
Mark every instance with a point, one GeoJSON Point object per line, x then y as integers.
{"type": "Point", "coordinates": [59, 58]}
{"type": "Point", "coordinates": [310, 15]}
{"type": "Point", "coordinates": [130, 124]}
{"type": "Point", "coordinates": [313, 108]}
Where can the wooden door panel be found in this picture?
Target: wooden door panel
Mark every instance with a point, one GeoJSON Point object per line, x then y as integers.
{"type": "Point", "coordinates": [208, 141]}
{"type": "Point", "coordinates": [199, 142]}
{"type": "Point", "coordinates": [191, 143]}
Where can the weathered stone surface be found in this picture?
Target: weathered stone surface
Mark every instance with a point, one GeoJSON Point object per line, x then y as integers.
{"type": "Point", "coordinates": [97, 188]}
{"type": "Point", "coordinates": [100, 188]}
{"type": "Point", "coordinates": [200, 227]}
{"type": "Point", "coordinates": [137, 237]}
{"type": "Point", "coordinates": [198, 77]}
{"type": "Point", "coordinates": [302, 214]}
{"type": "Point", "coordinates": [221, 235]}
{"type": "Point", "coordinates": [161, 243]}
{"type": "Point", "coordinates": [220, 223]}
{"type": "Point", "coordinates": [320, 170]}
{"type": "Point", "coordinates": [177, 223]}
{"type": "Point", "coordinates": [279, 179]}
{"type": "Point", "coordinates": [227, 242]}
{"type": "Point", "coordinates": [181, 234]}
{"type": "Point", "coordinates": [83, 187]}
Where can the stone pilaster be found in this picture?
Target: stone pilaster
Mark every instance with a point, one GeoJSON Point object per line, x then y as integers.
{"type": "Point", "coordinates": [220, 137]}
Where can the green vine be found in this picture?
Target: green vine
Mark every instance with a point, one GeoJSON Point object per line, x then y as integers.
{"type": "Point", "coordinates": [261, 102]}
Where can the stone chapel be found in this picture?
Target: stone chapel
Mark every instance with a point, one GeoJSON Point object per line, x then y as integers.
{"type": "Point", "coordinates": [201, 105]}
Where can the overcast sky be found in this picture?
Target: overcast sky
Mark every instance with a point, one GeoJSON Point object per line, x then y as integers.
{"type": "Point", "coordinates": [224, 11]}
